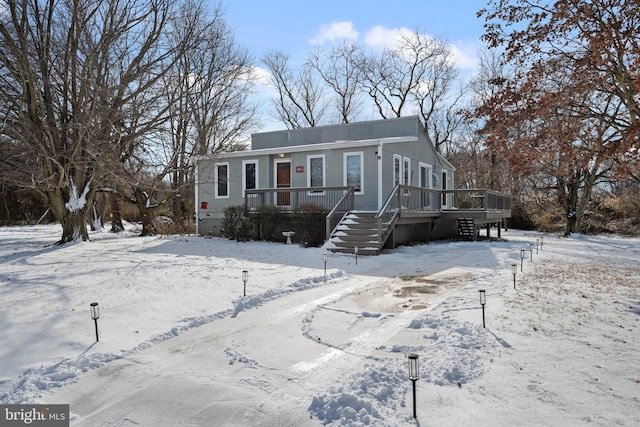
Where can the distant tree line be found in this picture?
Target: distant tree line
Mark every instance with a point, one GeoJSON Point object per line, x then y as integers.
{"type": "Point", "coordinates": [106, 102]}
{"type": "Point", "coordinates": [551, 116]}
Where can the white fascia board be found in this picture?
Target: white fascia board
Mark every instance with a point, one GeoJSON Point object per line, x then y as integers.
{"type": "Point", "coordinates": [446, 162]}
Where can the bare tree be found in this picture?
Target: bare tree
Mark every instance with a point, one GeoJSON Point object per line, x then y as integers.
{"type": "Point", "coordinates": [341, 70]}
{"type": "Point", "coordinates": [299, 102]}
{"type": "Point", "coordinates": [75, 77]}
{"type": "Point", "coordinates": [208, 94]}
{"type": "Point", "coordinates": [416, 73]}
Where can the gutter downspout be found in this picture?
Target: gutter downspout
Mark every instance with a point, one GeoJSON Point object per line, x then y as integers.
{"type": "Point", "coordinates": [197, 214]}
{"type": "Point", "coordinates": [380, 201]}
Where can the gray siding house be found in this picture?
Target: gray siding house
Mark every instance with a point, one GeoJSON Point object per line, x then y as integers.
{"type": "Point", "coordinates": [385, 173]}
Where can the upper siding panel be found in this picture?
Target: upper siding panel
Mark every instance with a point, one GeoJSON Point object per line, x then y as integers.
{"type": "Point", "coordinates": [401, 126]}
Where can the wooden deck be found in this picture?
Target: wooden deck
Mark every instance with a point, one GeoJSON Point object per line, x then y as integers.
{"type": "Point", "coordinates": [405, 205]}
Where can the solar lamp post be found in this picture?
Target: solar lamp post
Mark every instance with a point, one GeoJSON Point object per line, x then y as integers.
{"type": "Point", "coordinates": [324, 259]}
{"type": "Point", "coordinates": [514, 271]}
{"type": "Point", "coordinates": [95, 315]}
{"type": "Point", "coordinates": [245, 277]}
{"type": "Point", "coordinates": [414, 375]}
{"type": "Point", "coordinates": [483, 302]}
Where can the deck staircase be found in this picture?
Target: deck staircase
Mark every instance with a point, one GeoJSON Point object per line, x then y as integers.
{"type": "Point", "coordinates": [467, 228]}
{"type": "Point", "coordinates": [360, 229]}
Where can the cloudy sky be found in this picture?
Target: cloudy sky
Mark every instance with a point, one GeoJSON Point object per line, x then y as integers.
{"type": "Point", "coordinates": [296, 27]}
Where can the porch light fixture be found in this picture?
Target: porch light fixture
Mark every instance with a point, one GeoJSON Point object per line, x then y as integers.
{"type": "Point", "coordinates": [521, 259]}
{"type": "Point", "coordinates": [514, 271]}
{"type": "Point", "coordinates": [95, 315]}
{"type": "Point", "coordinates": [531, 250]}
{"type": "Point", "coordinates": [483, 302]}
{"type": "Point", "coordinates": [324, 259]}
{"type": "Point", "coordinates": [414, 375]}
{"type": "Point", "coordinates": [245, 277]}
{"type": "Point", "coordinates": [355, 251]}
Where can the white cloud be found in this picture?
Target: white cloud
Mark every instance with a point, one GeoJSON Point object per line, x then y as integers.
{"type": "Point", "coordinates": [335, 31]}
{"type": "Point", "coordinates": [262, 76]}
{"type": "Point", "coordinates": [380, 37]}
{"type": "Point", "coordinates": [465, 55]}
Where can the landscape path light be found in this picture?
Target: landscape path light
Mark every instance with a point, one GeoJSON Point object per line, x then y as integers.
{"type": "Point", "coordinates": [537, 244]}
{"type": "Point", "coordinates": [414, 375]}
{"type": "Point", "coordinates": [521, 259]}
{"type": "Point", "coordinates": [514, 271]}
{"type": "Point", "coordinates": [355, 251]}
{"type": "Point", "coordinates": [95, 315]}
{"type": "Point", "coordinates": [531, 250]}
{"type": "Point", "coordinates": [245, 277]}
{"type": "Point", "coordinates": [483, 302]}
{"type": "Point", "coordinates": [324, 259]}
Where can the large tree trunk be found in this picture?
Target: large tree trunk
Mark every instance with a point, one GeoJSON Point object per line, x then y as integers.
{"type": "Point", "coordinates": [74, 226]}
{"type": "Point", "coordinates": [572, 186]}
{"type": "Point", "coordinates": [114, 214]}
{"type": "Point", "coordinates": [146, 212]}
{"type": "Point", "coordinates": [70, 208]}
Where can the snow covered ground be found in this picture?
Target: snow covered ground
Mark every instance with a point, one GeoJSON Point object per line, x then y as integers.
{"type": "Point", "coordinates": [181, 345]}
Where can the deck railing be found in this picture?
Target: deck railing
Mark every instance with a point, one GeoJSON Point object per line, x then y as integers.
{"type": "Point", "coordinates": [407, 198]}
{"type": "Point", "coordinates": [289, 199]}
{"type": "Point", "coordinates": [416, 199]}
{"type": "Point", "coordinates": [475, 199]}
{"type": "Point", "coordinates": [402, 198]}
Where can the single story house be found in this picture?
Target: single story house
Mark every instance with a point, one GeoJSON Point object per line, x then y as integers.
{"type": "Point", "coordinates": [384, 173]}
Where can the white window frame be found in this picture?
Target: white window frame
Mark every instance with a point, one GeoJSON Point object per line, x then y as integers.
{"type": "Point", "coordinates": [406, 171]}
{"type": "Point", "coordinates": [244, 176]}
{"type": "Point", "coordinates": [428, 171]}
{"type": "Point", "coordinates": [344, 168]}
{"type": "Point", "coordinates": [324, 173]}
{"type": "Point", "coordinates": [217, 174]}
{"type": "Point", "coordinates": [446, 197]}
{"type": "Point", "coordinates": [397, 172]}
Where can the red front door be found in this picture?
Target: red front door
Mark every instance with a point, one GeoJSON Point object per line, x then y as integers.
{"type": "Point", "coordinates": [283, 180]}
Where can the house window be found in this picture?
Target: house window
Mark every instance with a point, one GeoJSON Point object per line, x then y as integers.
{"type": "Point", "coordinates": [222, 180]}
{"type": "Point", "coordinates": [353, 171]}
{"type": "Point", "coordinates": [425, 175]}
{"type": "Point", "coordinates": [406, 171]}
{"type": "Point", "coordinates": [397, 169]}
{"type": "Point", "coordinates": [445, 196]}
{"type": "Point", "coordinates": [249, 175]}
{"type": "Point", "coordinates": [315, 166]}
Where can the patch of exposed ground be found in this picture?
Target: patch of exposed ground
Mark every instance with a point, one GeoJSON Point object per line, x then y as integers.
{"type": "Point", "coordinates": [411, 292]}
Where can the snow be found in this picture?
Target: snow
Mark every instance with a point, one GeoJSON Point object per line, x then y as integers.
{"type": "Point", "coordinates": [77, 201]}
{"type": "Point", "coordinates": [181, 345]}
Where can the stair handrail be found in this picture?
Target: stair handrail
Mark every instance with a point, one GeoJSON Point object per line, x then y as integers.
{"type": "Point", "coordinates": [387, 203]}
{"type": "Point", "coordinates": [348, 199]}
{"type": "Point", "coordinates": [386, 207]}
